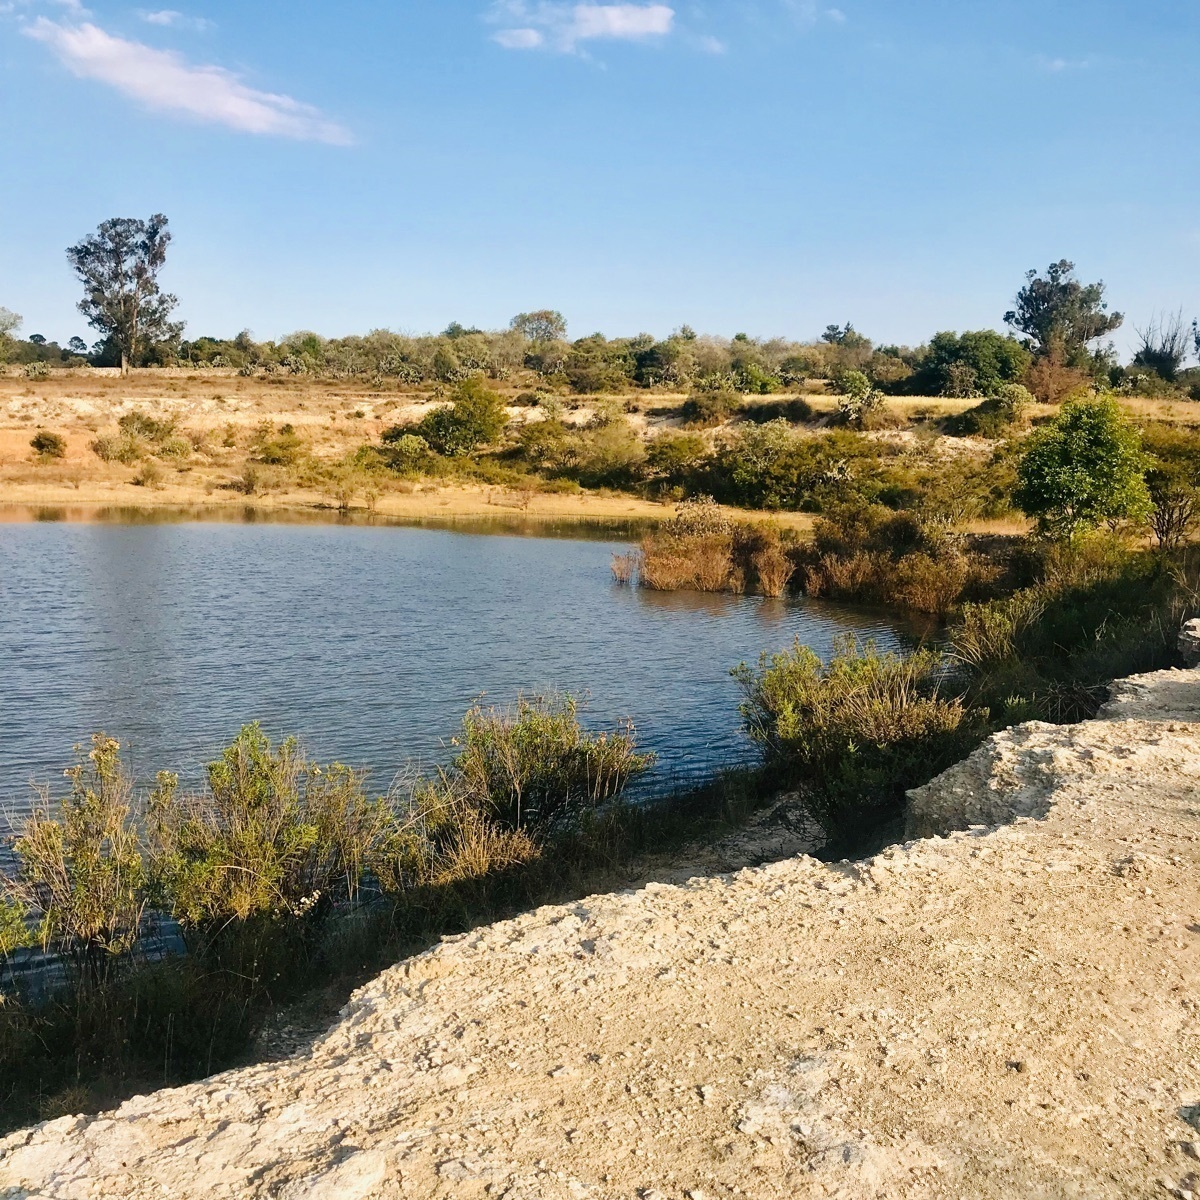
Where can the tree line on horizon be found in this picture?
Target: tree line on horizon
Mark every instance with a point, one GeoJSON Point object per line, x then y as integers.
{"type": "Point", "coordinates": [1056, 343]}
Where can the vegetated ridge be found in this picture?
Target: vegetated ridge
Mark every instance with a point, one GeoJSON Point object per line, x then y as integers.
{"type": "Point", "coordinates": [1006, 1010]}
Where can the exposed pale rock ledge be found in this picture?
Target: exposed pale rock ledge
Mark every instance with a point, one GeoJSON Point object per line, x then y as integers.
{"type": "Point", "coordinates": [1009, 1011]}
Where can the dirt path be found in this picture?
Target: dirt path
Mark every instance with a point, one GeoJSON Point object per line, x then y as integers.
{"type": "Point", "coordinates": [1007, 1011]}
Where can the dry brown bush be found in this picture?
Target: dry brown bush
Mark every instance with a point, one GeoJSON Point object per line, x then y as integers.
{"type": "Point", "coordinates": [846, 577]}
{"type": "Point", "coordinates": [1052, 382]}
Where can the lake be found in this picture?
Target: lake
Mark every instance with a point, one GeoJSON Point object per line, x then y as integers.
{"type": "Point", "coordinates": [367, 641]}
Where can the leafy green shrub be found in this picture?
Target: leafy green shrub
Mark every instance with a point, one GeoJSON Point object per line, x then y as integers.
{"type": "Point", "coordinates": [121, 448]}
{"type": "Point", "coordinates": [673, 459]}
{"type": "Point", "coordinates": [771, 466]}
{"type": "Point", "coordinates": [284, 448]}
{"type": "Point", "coordinates": [405, 453]}
{"type": "Point", "coordinates": [857, 398]}
{"type": "Point", "coordinates": [48, 445]}
{"type": "Point", "coordinates": [272, 835]}
{"type": "Point", "coordinates": [795, 410]}
{"type": "Point", "coordinates": [856, 733]}
{"type": "Point", "coordinates": [996, 416]}
{"type": "Point", "coordinates": [79, 867]}
{"type": "Point", "coordinates": [137, 424]}
{"type": "Point", "coordinates": [1087, 466]}
{"type": "Point", "coordinates": [534, 768]}
{"type": "Point", "coordinates": [977, 363]}
{"type": "Point", "coordinates": [707, 408]}
{"type": "Point", "coordinates": [37, 370]}
{"type": "Point", "coordinates": [475, 418]}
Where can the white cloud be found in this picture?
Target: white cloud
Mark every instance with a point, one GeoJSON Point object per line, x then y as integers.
{"type": "Point", "coordinates": [519, 39]}
{"type": "Point", "coordinates": [1057, 65]}
{"type": "Point", "coordinates": [711, 45]}
{"type": "Point", "coordinates": [809, 12]}
{"type": "Point", "coordinates": [165, 82]}
{"type": "Point", "coordinates": [174, 20]}
{"type": "Point", "coordinates": [562, 27]}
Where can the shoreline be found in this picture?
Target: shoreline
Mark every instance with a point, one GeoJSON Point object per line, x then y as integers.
{"type": "Point", "coordinates": [20, 503]}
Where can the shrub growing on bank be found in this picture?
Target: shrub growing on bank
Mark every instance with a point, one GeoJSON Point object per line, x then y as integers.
{"type": "Point", "coordinates": [475, 417]}
{"type": "Point", "coordinates": [855, 733]}
{"type": "Point", "coordinates": [257, 867]}
{"type": "Point", "coordinates": [282, 447]}
{"type": "Point", "coordinates": [999, 415]}
{"type": "Point", "coordinates": [272, 835]}
{"type": "Point", "coordinates": [1098, 611]}
{"type": "Point", "coordinates": [47, 445]}
{"type": "Point", "coordinates": [868, 553]}
{"type": "Point", "coordinates": [80, 873]}
{"type": "Point", "coordinates": [1084, 468]}
{"type": "Point", "coordinates": [533, 767]}
{"type": "Point", "coordinates": [120, 448]}
{"type": "Point", "coordinates": [705, 409]}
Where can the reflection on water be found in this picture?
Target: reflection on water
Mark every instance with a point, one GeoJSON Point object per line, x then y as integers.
{"type": "Point", "coordinates": [504, 522]}
{"type": "Point", "coordinates": [367, 641]}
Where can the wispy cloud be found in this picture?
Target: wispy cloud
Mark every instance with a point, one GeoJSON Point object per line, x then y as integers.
{"type": "Point", "coordinates": [166, 82]}
{"type": "Point", "coordinates": [563, 27]}
{"type": "Point", "coordinates": [171, 19]}
{"type": "Point", "coordinates": [810, 12]}
{"type": "Point", "coordinates": [1057, 65]}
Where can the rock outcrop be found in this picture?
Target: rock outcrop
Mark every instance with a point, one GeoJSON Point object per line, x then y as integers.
{"type": "Point", "coordinates": [1009, 1010]}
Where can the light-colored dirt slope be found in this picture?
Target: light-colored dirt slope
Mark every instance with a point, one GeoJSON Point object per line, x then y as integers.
{"type": "Point", "coordinates": [1004, 1012]}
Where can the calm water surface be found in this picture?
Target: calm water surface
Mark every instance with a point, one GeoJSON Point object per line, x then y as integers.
{"type": "Point", "coordinates": [368, 642]}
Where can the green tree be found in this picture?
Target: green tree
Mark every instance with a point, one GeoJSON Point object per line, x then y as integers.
{"type": "Point", "coordinates": [476, 417]}
{"type": "Point", "coordinates": [545, 325]}
{"type": "Point", "coordinates": [1085, 467]}
{"type": "Point", "coordinates": [1059, 316]}
{"type": "Point", "coordinates": [984, 359]}
{"type": "Point", "coordinates": [118, 266]}
{"type": "Point", "coordinates": [10, 322]}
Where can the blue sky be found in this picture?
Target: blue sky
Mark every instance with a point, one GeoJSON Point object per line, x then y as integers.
{"type": "Point", "coordinates": [759, 165]}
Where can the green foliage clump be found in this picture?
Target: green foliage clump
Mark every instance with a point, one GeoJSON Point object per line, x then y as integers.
{"type": "Point", "coordinates": [80, 872]}
{"type": "Point", "coordinates": [857, 398]}
{"type": "Point", "coordinates": [1004, 411]}
{"type": "Point", "coordinates": [1097, 611]}
{"type": "Point", "coordinates": [272, 835]}
{"type": "Point", "coordinates": [405, 453]}
{"type": "Point", "coordinates": [796, 409]}
{"type": "Point", "coordinates": [705, 409]}
{"type": "Point", "coordinates": [120, 448]}
{"type": "Point", "coordinates": [137, 424]}
{"type": "Point", "coordinates": [1086, 467]}
{"type": "Point", "coordinates": [855, 733]}
{"type": "Point", "coordinates": [534, 767]}
{"type": "Point", "coordinates": [476, 417]}
{"type": "Point", "coordinates": [976, 363]}
{"type": "Point", "coordinates": [280, 448]}
{"type": "Point", "coordinates": [46, 444]}
{"type": "Point", "coordinates": [673, 459]}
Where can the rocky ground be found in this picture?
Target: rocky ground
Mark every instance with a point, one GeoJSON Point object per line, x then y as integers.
{"type": "Point", "coordinates": [1010, 1010]}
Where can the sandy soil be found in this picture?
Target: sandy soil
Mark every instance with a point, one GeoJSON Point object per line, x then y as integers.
{"type": "Point", "coordinates": [222, 410]}
{"type": "Point", "coordinates": [333, 418]}
{"type": "Point", "coordinates": [1008, 1011]}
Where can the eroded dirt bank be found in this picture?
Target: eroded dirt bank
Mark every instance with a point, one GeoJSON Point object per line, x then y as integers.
{"type": "Point", "coordinates": [1008, 1012]}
